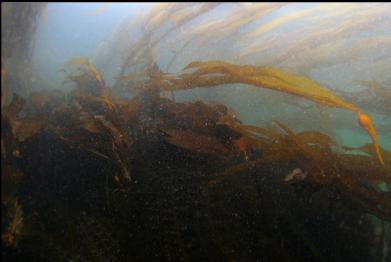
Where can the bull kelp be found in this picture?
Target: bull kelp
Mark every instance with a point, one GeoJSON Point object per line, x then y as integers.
{"type": "Point", "coordinates": [159, 138]}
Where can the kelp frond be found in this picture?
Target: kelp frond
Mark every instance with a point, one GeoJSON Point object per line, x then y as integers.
{"type": "Point", "coordinates": [15, 216]}
{"type": "Point", "coordinates": [86, 67]}
{"type": "Point", "coordinates": [213, 73]}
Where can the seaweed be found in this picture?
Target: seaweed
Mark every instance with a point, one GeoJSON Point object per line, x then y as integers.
{"type": "Point", "coordinates": [325, 165]}
{"type": "Point", "coordinates": [213, 73]}
{"type": "Point", "coordinates": [149, 178]}
{"type": "Point", "coordinates": [159, 178]}
{"type": "Point", "coordinates": [196, 142]}
{"type": "Point", "coordinates": [86, 67]}
{"type": "Point", "coordinates": [15, 216]}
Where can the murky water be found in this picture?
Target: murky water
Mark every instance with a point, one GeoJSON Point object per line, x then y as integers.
{"type": "Point", "coordinates": [196, 131]}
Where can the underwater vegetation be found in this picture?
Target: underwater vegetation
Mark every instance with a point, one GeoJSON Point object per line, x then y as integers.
{"type": "Point", "coordinates": [265, 77]}
{"type": "Point", "coordinates": [127, 136]}
{"type": "Point", "coordinates": [96, 175]}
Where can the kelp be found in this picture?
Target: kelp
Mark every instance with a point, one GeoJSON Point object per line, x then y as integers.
{"type": "Point", "coordinates": [186, 15]}
{"type": "Point", "coordinates": [98, 116]}
{"type": "Point", "coordinates": [213, 73]}
{"type": "Point", "coordinates": [314, 39]}
{"type": "Point", "coordinates": [102, 153]}
{"type": "Point", "coordinates": [179, 14]}
{"type": "Point", "coordinates": [31, 124]}
{"type": "Point", "coordinates": [91, 90]}
{"type": "Point", "coordinates": [94, 127]}
{"type": "Point", "coordinates": [366, 123]}
{"type": "Point", "coordinates": [312, 145]}
{"type": "Point", "coordinates": [199, 117]}
{"type": "Point", "coordinates": [30, 127]}
{"type": "Point", "coordinates": [316, 138]}
{"type": "Point", "coordinates": [230, 25]}
{"type": "Point", "coordinates": [321, 165]}
{"type": "Point", "coordinates": [129, 110]}
{"type": "Point", "coordinates": [11, 176]}
{"type": "Point", "coordinates": [371, 150]}
{"type": "Point", "coordinates": [256, 135]}
{"type": "Point", "coordinates": [12, 110]}
{"type": "Point", "coordinates": [104, 100]}
{"type": "Point", "coordinates": [197, 143]}
{"type": "Point", "coordinates": [15, 217]}
{"type": "Point", "coordinates": [375, 97]}
{"type": "Point", "coordinates": [263, 76]}
{"type": "Point", "coordinates": [86, 67]}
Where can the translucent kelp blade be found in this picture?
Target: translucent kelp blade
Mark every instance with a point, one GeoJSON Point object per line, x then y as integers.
{"type": "Point", "coordinates": [272, 78]}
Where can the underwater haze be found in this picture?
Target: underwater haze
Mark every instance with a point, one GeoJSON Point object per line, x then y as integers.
{"type": "Point", "coordinates": [333, 44]}
{"type": "Point", "coordinates": [196, 131]}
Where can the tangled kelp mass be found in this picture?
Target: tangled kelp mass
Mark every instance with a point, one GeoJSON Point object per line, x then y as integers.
{"type": "Point", "coordinates": [143, 150]}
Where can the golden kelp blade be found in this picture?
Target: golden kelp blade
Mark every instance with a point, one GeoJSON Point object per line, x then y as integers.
{"type": "Point", "coordinates": [265, 77]}
{"type": "Point", "coordinates": [271, 78]}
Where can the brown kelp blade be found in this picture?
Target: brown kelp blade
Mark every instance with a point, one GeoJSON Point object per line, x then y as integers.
{"type": "Point", "coordinates": [195, 142]}
{"type": "Point", "coordinates": [213, 73]}
{"type": "Point", "coordinates": [313, 137]}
